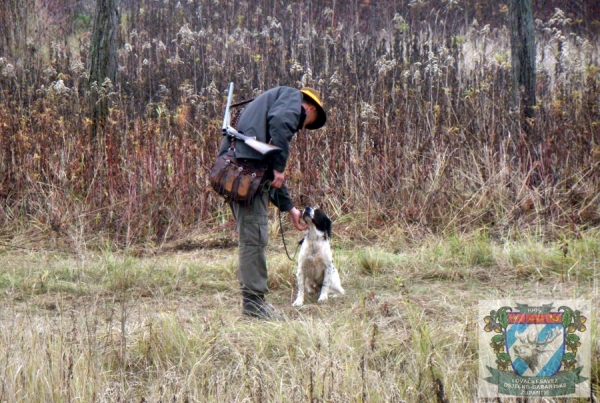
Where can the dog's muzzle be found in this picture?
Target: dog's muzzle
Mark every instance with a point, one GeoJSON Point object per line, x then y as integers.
{"type": "Point", "coordinates": [308, 212]}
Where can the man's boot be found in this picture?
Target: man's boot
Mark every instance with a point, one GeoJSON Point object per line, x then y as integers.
{"type": "Point", "coordinates": [255, 306]}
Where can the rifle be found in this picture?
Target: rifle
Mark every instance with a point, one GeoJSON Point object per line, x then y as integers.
{"type": "Point", "coordinates": [263, 148]}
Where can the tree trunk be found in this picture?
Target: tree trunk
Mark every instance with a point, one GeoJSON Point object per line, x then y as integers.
{"type": "Point", "coordinates": [103, 62]}
{"type": "Point", "coordinates": [522, 36]}
{"type": "Point", "coordinates": [14, 18]}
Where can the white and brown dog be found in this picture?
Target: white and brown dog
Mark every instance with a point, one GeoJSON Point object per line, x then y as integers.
{"type": "Point", "coordinates": [316, 272]}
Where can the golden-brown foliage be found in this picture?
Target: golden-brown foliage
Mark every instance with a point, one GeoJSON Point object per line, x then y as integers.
{"type": "Point", "coordinates": [418, 130]}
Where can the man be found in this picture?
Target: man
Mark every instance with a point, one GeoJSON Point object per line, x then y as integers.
{"type": "Point", "coordinates": [273, 117]}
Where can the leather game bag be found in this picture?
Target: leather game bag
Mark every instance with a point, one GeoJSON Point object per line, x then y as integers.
{"type": "Point", "coordinates": [234, 180]}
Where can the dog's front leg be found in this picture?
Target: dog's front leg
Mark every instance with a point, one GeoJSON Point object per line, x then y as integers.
{"type": "Point", "coordinates": [336, 284]}
{"type": "Point", "coordinates": [300, 298]}
{"type": "Point", "coordinates": [326, 284]}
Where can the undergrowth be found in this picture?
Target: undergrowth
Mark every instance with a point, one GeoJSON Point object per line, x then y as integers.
{"type": "Point", "coordinates": [418, 134]}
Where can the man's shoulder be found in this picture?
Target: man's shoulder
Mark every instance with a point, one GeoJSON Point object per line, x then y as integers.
{"type": "Point", "coordinates": [282, 89]}
{"type": "Point", "coordinates": [277, 95]}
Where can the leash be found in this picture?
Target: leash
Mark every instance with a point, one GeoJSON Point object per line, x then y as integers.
{"type": "Point", "coordinates": [267, 188]}
{"type": "Point", "coordinates": [283, 239]}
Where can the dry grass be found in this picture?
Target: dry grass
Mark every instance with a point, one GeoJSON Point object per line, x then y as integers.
{"type": "Point", "coordinates": [111, 327]}
{"type": "Point", "coordinates": [125, 286]}
{"type": "Point", "coordinates": [418, 131]}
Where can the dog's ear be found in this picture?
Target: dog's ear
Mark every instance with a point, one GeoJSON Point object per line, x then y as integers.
{"type": "Point", "coordinates": [328, 227]}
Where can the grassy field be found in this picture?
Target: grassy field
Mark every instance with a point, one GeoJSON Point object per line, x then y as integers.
{"type": "Point", "coordinates": [117, 261]}
{"type": "Point", "coordinates": [166, 326]}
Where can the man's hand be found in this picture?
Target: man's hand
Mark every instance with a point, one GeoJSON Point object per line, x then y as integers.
{"type": "Point", "coordinates": [278, 179]}
{"type": "Point", "coordinates": [295, 218]}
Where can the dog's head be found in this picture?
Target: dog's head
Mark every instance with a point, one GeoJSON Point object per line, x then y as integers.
{"type": "Point", "coordinates": [318, 219]}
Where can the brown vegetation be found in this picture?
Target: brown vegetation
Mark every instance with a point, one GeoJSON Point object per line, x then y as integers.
{"type": "Point", "coordinates": [418, 95]}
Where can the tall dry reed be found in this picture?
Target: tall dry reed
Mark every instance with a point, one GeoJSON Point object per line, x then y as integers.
{"type": "Point", "coordinates": [418, 95]}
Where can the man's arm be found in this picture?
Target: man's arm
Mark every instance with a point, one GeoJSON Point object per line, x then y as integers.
{"type": "Point", "coordinates": [282, 200]}
{"type": "Point", "coordinates": [280, 197]}
{"type": "Point", "coordinates": [282, 122]}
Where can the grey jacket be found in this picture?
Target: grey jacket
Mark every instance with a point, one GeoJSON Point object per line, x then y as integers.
{"type": "Point", "coordinates": [273, 117]}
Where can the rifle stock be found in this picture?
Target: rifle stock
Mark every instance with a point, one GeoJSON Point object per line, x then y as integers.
{"type": "Point", "coordinates": [263, 148]}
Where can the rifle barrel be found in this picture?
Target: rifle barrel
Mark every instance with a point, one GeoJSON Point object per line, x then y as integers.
{"type": "Point", "coordinates": [227, 117]}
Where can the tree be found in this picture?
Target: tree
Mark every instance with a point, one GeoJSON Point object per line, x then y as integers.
{"type": "Point", "coordinates": [522, 38]}
{"type": "Point", "coordinates": [103, 61]}
{"type": "Point", "coordinates": [14, 19]}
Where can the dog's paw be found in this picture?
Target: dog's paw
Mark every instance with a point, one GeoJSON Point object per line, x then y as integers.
{"type": "Point", "coordinates": [323, 298]}
{"type": "Point", "coordinates": [336, 291]}
{"type": "Point", "coordinates": [298, 302]}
